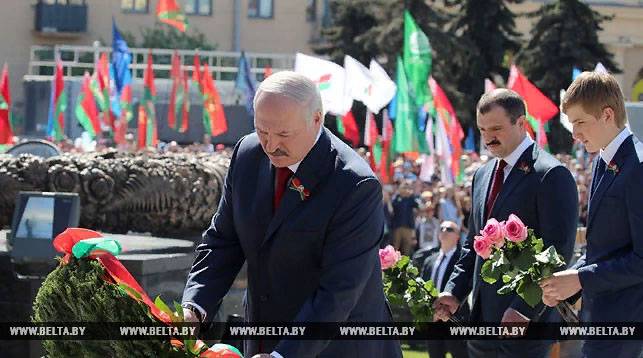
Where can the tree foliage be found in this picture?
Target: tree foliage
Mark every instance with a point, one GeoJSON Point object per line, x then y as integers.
{"type": "Point", "coordinates": [565, 36]}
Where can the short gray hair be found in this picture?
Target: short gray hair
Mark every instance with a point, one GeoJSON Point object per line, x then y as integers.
{"type": "Point", "coordinates": [295, 86]}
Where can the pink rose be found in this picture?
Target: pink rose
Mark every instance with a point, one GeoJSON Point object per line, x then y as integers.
{"type": "Point", "coordinates": [494, 232]}
{"type": "Point", "coordinates": [516, 230]}
{"type": "Point", "coordinates": [482, 246]}
{"type": "Point", "coordinates": [389, 257]}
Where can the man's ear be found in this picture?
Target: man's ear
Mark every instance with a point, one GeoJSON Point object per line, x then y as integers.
{"type": "Point", "coordinates": [608, 115]}
{"type": "Point", "coordinates": [318, 118]}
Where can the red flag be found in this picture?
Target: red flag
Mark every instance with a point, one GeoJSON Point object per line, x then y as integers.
{"type": "Point", "coordinates": [267, 71]}
{"type": "Point", "coordinates": [347, 127]}
{"type": "Point", "coordinates": [538, 105]}
{"type": "Point", "coordinates": [6, 134]}
{"type": "Point", "coordinates": [169, 12]}
{"type": "Point", "coordinates": [213, 115]}
{"type": "Point", "coordinates": [387, 136]}
{"type": "Point", "coordinates": [446, 113]}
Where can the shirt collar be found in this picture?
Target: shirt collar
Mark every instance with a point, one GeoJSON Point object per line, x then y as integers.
{"type": "Point", "coordinates": [293, 168]}
{"type": "Point", "coordinates": [609, 152]}
{"type": "Point", "coordinates": [512, 158]}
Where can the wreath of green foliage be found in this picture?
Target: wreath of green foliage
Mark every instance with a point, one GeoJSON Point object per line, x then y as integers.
{"type": "Point", "coordinates": [77, 292]}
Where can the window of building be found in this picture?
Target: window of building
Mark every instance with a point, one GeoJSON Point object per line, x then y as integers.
{"type": "Point", "coordinates": [311, 11]}
{"type": "Point", "coordinates": [260, 8]}
{"type": "Point", "coordinates": [198, 7]}
{"type": "Point", "coordinates": [139, 6]}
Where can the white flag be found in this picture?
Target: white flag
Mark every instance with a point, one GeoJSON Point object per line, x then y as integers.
{"type": "Point", "coordinates": [600, 68]}
{"type": "Point", "coordinates": [563, 117]}
{"type": "Point", "coordinates": [384, 88]}
{"type": "Point", "coordinates": [489, 85]}
{"type": "Point", "coordinates": [330, 79]}
{"type": "Point", "coordinates": [359, 81]}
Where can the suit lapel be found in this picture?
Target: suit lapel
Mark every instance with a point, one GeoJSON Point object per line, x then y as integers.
{"type": "Point", "coordinates": [603, 185]}
{"type": "Point", "coordinates": [523, 167]}
{"type": "Point", "coordinates": [312, 169]}
{"type": "Point", "coordinates": [265, 193]}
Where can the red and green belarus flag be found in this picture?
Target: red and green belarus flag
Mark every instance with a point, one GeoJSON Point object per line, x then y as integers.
{"type": "Point", "coordinates": [177, 116]}
{"type": "Point", "coordinates": [147, 135]}
{"type": "Point", "coordinates": [169, 12]}
{"type": "Point", "coordinates": [86, 111]}
{"type": "Point", "coordinates": [6, 133]}
{"type": "Point", "coordinates": [59, 102]}
{"type": "Point", "coordinates": [214, 120]}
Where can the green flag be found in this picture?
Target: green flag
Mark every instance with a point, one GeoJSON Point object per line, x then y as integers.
{"type": "Point", "coordinates": [408, 137]}
{"type": "Point", "coordinates": [417, 62]}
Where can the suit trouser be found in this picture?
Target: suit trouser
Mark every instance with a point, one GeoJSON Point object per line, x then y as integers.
{"type": "Point", "coordinates": [612, 349]}
{"type": "Point", "coordinates": [509, 349]}
{"type": "Point", "coordinates": [439, 349]}
{"type": "Point", "coordinates": [403, 238]}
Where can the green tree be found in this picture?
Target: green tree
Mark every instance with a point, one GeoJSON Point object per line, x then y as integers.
{"type": "Point", "coordinates": [565, 36]}
{"type": "Point", "coordinates": [487, 34]}
{"type": "Point", "coordinates": [366, 29]}
{"type": "Point", "coordinates": [163, 36]}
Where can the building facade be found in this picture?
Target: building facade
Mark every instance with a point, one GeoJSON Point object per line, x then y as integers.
{"type": "Point", "coordinates": [261, 26]}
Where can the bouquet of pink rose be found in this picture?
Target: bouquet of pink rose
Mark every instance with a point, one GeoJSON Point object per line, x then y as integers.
{"type": "Point", "coordinates": [403, 285]}
{"type": "Point", "coordinates": [514, 254]}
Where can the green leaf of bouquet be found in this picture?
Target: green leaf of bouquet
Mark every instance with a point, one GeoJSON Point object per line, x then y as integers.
{"type": "Point", "coordinates": [529, 291]}
{"type": "Point", "coordinates": [489, 275]}
{"type": "Point", "coordinates": [160, 304]}
{"type": "Point", "coordinates": [131, 291]}
{"type": "Point", "coordinates": [506, 289]}
{"type": "Point", "coordinates": [179, 311]}
{"type": "Point", "coordinates": [523, 260]}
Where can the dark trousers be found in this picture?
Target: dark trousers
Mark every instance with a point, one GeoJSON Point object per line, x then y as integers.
{"type": "Point", "coordinates": [439, 349]}
{"type": "Point", "coordinates": [509, 349]}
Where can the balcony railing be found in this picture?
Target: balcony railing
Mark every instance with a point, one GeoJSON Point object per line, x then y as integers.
{"type": "Point", "coordinates": [61, 17]}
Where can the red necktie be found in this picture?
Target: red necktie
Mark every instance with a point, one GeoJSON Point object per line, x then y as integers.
{"type": "Point", "coordinates": [496, 185]}
{"type": "Point", "coordinates": [282, 176]}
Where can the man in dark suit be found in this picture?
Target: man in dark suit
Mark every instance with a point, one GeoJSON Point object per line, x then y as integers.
{"type": "Point", "coordinates": [523, 180]}
{"type": "Point", "coordinates": [438, 268]}
{"type": "Point", "coordinates": [305, 212]}
{"type": "Point", "coordinates": [610, 274]}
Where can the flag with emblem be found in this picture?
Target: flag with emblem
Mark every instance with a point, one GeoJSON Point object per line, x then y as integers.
{"type": "Point", "coordinates": [330, 79]}
{"type": "Point", "coordinates": [169, 12]}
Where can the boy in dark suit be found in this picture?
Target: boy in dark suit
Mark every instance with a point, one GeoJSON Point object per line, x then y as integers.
{"type": "Point", "coordinates": [610, 274]}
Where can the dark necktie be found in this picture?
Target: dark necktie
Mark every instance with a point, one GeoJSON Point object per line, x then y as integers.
{"type": "Point", "coordinates": [281, 179]}
{"type": "Point", "coordinates": [496, 185]}
{"type": "Point", "coordinates": [600, 170]}
{"type": "Point", "coordinates": [436, 275]}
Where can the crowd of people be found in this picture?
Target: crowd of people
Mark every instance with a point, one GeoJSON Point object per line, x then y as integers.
{"type": "Point", "coordinates": [414, 209]}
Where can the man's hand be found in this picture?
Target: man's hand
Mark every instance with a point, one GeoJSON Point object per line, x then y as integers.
{"type": "Point", "coordinates": [549, 301]}
{"type": "Point", "coordinates": [560, 286]}
{"type": "Point", "coordinates": [190, 317]}
{"type": "Point", "coordinates": [445, 306]}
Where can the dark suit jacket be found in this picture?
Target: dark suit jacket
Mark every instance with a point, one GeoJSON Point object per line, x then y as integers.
{"type": "Point", "coordinates": [545, 198]}
{"type": "Point", "coordinates": [427, 268]}
{"type": "Point", "coordinates": [611, 271]}
{"type": "Point", "coordinates": [313, 260]}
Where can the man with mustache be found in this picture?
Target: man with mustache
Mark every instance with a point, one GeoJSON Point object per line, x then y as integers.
{"type": "Point", "coordinates": [304, 211]}
{"type": "Point", "coordinates": [609, 275]}
{"type": "Point", "coordinates": [523, 180]}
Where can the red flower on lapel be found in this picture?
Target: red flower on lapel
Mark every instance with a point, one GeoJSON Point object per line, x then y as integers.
{"type": "Point", "coordinates": [524, 167]}
{"type": "Point", "coordinates": [296, 185]}
{"type": "Point", "coordinates": [612, 167]}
